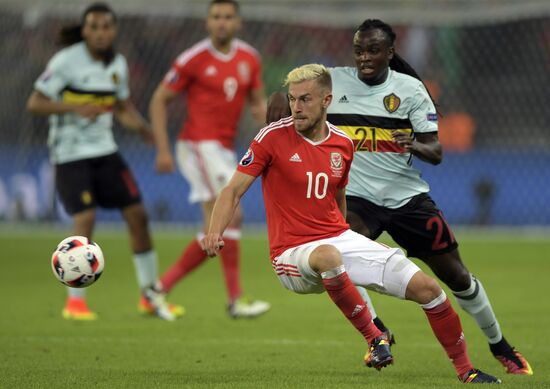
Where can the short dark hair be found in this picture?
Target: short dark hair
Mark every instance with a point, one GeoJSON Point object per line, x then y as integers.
{"type": "Point", "coordinates": [232, 2]}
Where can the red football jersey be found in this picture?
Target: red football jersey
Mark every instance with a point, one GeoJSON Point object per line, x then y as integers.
{"type": "Point", "coordinates": [217, 86]}
{"type": "Point", "coordinates": [300, 179]}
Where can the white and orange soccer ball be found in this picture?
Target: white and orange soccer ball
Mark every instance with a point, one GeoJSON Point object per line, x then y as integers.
{"type": "Point", "coordinates": [77, 262]}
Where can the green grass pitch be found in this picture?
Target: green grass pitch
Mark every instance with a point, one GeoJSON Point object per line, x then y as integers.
{"type": "Point", "coordinates": [303, 342]}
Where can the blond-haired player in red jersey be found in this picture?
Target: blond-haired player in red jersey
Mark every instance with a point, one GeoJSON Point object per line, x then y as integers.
{"type": "Point", "coordinates": [218, 75]}
{"type": "Point", "coordinates": [304, 162]}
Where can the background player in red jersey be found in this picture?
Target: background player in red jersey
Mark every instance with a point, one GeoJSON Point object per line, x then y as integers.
{"type": "Point", "coordinates": [304, 162]}
{"type": "Point", "coordinates": [219, 75]}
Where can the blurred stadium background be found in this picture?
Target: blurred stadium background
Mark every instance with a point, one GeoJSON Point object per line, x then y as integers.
{"type": "Point", "coordinates": [487, 63]}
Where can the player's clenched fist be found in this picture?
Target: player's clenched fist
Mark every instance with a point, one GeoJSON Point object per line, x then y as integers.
{"type": "Point", "coordinates": [403, 139]}
{"type": "Point", "coordinates": [164, 162]}
{"type": "Point", "coordinates": [90, 111]}
{"type": "Point", "coordinates": [212, 243]}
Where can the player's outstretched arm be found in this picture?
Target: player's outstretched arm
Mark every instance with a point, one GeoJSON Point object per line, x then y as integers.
{"type": "Point", "coordinates": [158, 114]}
{"type": "Point", "coordinates": [127, 114]}
{"type": "Point", "coordinates": [277, 107]}
{"type": "Point", "coordinates": [225, 207]}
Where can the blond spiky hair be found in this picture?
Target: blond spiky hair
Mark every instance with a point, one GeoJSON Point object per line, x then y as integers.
{"type": "Point", "coordinates": [312, 71]}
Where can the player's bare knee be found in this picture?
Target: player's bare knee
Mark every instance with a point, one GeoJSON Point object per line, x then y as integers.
{"type": "Point", "coordinates": [141, 218]}
{"type": "Point", "coordinates": [460, 281]}
{"type": "Point", "coordinates": [325, 257]}
{"type": "Point", "coordinates": [422, 289]}
{"type": "Point", "coordinates": [136, 217]}
{"type": "Point", "coordinates": [138, 227]}
{"type": "Point", "coordinates": [136, 213]}
{"type": "Point", "coordinates": [450, 269]}
{"type": "Point", "coordinates": [453, 274]}
{"type": "Point", "coordinates": [85, 218]}
{"type": "Point", "coordinates": [84, 222]}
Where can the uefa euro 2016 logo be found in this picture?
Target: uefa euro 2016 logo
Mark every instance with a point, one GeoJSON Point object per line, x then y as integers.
{"type": "Point", "coordinates": [247, 158]}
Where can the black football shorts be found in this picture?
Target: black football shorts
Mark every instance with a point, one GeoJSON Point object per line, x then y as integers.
{"type": "Point", "coordinates": [419, 226]}
{"type": "Point", "coordinates": [102, 181]}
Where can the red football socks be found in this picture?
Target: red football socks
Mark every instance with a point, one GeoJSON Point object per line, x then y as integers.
{"type": "Point", "coordinates": [344, 294]}
{"type": "Point", "coordinates": [192, 256]}
{"type": "Point", "coordinates": [230, 264]}
{"type": "Point", "coordinates": [448, 330]}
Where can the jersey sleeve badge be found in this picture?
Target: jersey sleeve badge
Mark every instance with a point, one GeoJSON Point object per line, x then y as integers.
{"type": "Point", "coordinates": [171, 77]}
{"type": "Point", "coordinates": [247, 158]}
{"type": "Point", "coordinates": [44, 77]}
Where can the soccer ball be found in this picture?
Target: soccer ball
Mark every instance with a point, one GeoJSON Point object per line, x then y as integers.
{"type": "Point", "coordinates": [77, 262]}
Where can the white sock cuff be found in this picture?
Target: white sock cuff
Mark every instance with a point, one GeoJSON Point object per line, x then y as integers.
{"type": "Point", "coordinates": [76, 292]}
{"type": "Point", "coordinates": [232, 233]}
{"type": "Point", "coordinates": [435, 302]}
{"type": "Point", "coordinates": [471, 292]}
{"type": "Point", "coordinates": [333, 272]}
{"type": "Point", "coordinates": [366, 298]}
{"type": "Point", "coordinates": [146, 265]}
